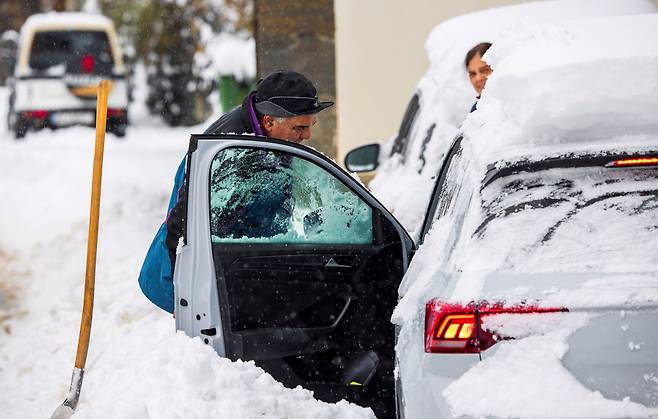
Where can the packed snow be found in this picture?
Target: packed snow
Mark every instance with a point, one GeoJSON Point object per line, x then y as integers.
{"type": "Point", "coordinates": [138, 366]}
{"type": "Point", "coordinates": [520, 367]}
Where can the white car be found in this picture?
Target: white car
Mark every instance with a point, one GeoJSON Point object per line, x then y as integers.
{"type": "Point", "coordinates": [61, 59]}
{"type": "Point", "coordinates": [408, 163]}
{"type": "Point", "coordinates": [535, 292]}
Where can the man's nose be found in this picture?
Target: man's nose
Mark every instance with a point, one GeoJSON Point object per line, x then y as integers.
{"type": "Point", "coordinates": [306, 134]}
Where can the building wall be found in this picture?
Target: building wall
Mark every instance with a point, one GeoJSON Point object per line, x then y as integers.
{"type": "Point", "coordinates": [380, 56]}
{"type": "Point", "coordinates": [300, 36]}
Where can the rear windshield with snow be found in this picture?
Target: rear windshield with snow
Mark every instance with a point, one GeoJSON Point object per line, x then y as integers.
{"type": "Point", "coordinates": [571, 219]}
{"type": "Point", "coordinates": [261, 196]}
{"type": "Point", "coordinates": [77, 52]}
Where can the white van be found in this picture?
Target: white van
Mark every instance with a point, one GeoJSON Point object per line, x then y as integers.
{"type": "Point", "coordinates": [61, 59]}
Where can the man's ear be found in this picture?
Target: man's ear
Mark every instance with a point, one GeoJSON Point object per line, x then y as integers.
{"type": "Point", "coordinates": [268, 121]}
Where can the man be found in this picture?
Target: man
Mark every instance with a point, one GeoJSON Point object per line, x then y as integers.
{"type": "Point", "coordinates": [284, 106]}
{"type": "Point", "coordinates": [478, 70]}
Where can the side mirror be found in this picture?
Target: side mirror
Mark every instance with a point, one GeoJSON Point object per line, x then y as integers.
{"type": "Point", "coordinates": [363, 159]}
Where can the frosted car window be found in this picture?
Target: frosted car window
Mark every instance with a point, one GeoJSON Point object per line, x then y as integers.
{"type": "Point", "coordinates": [261, 196]}
{"type": "Point", "coordinates": [571, 219]}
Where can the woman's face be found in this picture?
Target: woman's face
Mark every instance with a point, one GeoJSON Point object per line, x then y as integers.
{"type": "Point", "coordinates": [478, 73]}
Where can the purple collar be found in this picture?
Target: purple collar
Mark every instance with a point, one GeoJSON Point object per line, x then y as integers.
{"type": "Point", "coordinates": [255, 125]}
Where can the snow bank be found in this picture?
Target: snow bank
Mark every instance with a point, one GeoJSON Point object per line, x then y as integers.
{"type": "Point", "coordinates": [182, 377]}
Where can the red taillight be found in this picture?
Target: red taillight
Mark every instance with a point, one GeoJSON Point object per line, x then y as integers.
{"type": "Point", "coordinates": [637, 161]}
{"type": "Point", "coordinates": [87, 63]}
{"type": "Point", "coordinates": [114, 112]}
{"type": "Point", "coordinates": [38, 114]}
{"type": "Point", "coordinates": [457, 328]}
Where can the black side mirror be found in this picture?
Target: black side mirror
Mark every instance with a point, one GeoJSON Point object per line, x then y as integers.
{"type": "Point", "coordinates": [363, 159]}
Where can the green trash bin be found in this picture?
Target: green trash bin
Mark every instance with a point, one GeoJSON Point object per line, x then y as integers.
{"type": "Point", "coordinates": [232, 91]}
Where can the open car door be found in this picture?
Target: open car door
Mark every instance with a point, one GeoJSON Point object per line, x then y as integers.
{"type": "Point", "coordinates": [289, 261]}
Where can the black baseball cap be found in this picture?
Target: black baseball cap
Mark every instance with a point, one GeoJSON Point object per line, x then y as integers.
{"type": "Point", "coordinates": [287, 93]}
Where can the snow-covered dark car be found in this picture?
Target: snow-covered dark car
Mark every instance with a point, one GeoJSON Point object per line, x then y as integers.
{"type": "Point", "coordinates": [61, 59]}
{"type": "Point", "coordinates": [534, 291]}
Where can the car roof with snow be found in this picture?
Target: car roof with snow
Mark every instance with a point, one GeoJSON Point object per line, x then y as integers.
{"type": "Point", "coordinates": [64, 20]}
{"type": "Point", "coordinates": [584, 86]}
{"type": "Point", "coordinates": [449, 41]}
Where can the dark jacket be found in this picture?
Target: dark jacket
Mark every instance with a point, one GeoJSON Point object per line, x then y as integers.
{"type": "Point", "coordinates": [156, 275]}
{"type": "Point", "coordinates": [475, 105]}
{"type": "Point", "coordinates": [241, 120]}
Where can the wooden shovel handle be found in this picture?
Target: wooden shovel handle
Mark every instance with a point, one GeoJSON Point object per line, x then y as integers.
{"type": "Point", "coordinates": [92, 238]}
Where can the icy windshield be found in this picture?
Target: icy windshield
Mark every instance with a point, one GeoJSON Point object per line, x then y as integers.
{"type": "Point", "coordinates": [77, 51]}
{"type": "Point", "coordinates": [259, 196]}
{"type": "Point", "coordinates": [571, 219]}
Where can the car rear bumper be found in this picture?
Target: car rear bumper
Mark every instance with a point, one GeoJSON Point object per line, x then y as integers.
{"type": "Point", "coordinates": [60, 118]}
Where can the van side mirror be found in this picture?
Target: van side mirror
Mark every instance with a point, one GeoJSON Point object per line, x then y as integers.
{"type": "Point", "coordinates": [363, 159]}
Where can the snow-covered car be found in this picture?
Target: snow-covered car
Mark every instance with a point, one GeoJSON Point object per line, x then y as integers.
{"type": "Point", "coordinates": [536, 287]}
{"type": "Point", "coordinates": [408, 163]}
{"type": "Point", "coordinates": [535, 290]}
{"type": "Point", "coordinates": [61, 59]}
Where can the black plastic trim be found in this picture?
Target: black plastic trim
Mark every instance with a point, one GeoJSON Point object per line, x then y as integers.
{"type": "Point", "coordinates": [565, 161]}
{"type": "Point", "coordinates": [49, 77]}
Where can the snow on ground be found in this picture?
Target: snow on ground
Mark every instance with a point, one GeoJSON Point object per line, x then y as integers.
{"type": "Point", "coordinates": [138, 366]}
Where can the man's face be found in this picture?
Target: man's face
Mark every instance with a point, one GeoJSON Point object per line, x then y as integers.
{"type": "Point", "coordinates": [478, 72]}
{"type": "Point", "coordinates": [295, 129]}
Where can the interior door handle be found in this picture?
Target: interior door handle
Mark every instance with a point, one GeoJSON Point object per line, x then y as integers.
{"type": "Point", "coordinates": [332, 264]}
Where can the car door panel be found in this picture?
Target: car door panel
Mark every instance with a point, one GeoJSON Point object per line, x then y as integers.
{"type": "Point", "coordinates": [295, 291]}
{"type": "Point", "coordinates": [311, 306]}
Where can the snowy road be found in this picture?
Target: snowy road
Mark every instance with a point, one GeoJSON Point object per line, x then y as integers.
{"type": "Point", "coordinates": [138, 367]}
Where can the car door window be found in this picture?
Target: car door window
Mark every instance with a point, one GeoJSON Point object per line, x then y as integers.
{"type": "Point", "coordinates": [265, 196]}
{"type": "Point", "coordinates": [445, 188]}
{"type": "Point", "coordinates": [402, 139]}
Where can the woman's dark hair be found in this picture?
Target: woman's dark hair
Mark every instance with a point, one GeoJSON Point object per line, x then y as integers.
{"type": "Point", "coordinates": [479, 49]}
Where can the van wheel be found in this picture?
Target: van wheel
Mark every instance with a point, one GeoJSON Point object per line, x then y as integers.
{"type": "Point", "coordinates": [20, 129]}
{"type": "Point", "coordinates": [119, 130]}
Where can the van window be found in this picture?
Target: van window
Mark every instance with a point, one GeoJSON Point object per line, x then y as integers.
{"type": "Point", "coordinates": [77, 52]}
